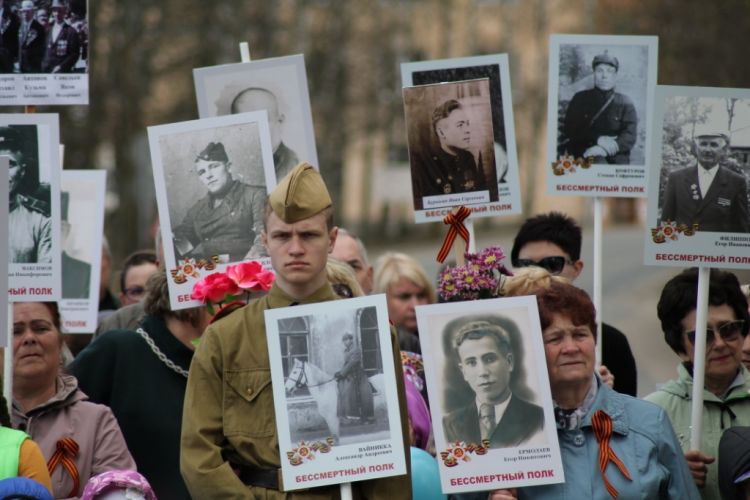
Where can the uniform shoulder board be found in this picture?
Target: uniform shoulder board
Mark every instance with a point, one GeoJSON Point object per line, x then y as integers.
{"type": "Point", "coordinates": [36, 205]}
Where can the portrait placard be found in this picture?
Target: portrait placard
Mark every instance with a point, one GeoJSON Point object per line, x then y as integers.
{"type": "Point", "coordinates": [335, 392]}
{"type": "Point", "coordinates": [44, 54]}
{"type": "Point", "coordinates": [32, 143]}
{"type": "Point", "coordinates": [451, 147]}
{"type": "Point", "coordinates": [601, 94]}
{"type": "Point", "coordinates": [495, 67]}
{"type": "Point", "coordinates": [277, 85]}
{"type": "Point", "coordinates": [211, 177]}
{"type": "Point", "coordinates": [698, 207]}
{"type": "Point", "coordinates": [82, 229]}
{"type": "Point", "coordinates": [4, 339]}
{"type": "Point", "coordinates": [490, 399]}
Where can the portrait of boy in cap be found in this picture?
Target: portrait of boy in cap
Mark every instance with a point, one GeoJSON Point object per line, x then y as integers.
{"type": "Point", "coordinates": [230, 447]}
{"type": "Point", "coordinates": [600, 122]}
{"type": "Point", "coordinates": [227, 221]}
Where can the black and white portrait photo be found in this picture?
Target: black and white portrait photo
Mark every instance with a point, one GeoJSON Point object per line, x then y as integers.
{"type": "Point", "coordinates": [82, 229]}
{"type": "Point", "coordinates": [699, 199]}
{"type": "Point", "coordinates": [495, 67]}
{"type": "Point", "coordinates": [278, 86]}
{"type": "Point", "coordinates": [210, 177]}
{"type": "Point", "coordinates": [451, 144]}
{"type": "Point", "coordinates": [50, 40]}
{"type": "Point", "coordinates": [31, 143]}
{"type": "Point", "coordinates": [334, 359]}
{"type": "Point", "coordinates": [601, 90]}
{"type": "Point", "coordinates": [602, 102]}
{"type": "Point", "coordinates": [333, 376]}
{"type": "Point", "coordinates": [705, 163]}
{"type": "Point", "coordinates": [30, 222]}
{"type": "Point", "coordinates": [486, 396]}
{"type": "Point", "coordinates": [489, 393]}
{"type": "Point", "coordinates": [76, 271]}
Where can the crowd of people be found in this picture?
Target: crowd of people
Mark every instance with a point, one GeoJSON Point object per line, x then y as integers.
{"type": "Point", "coordinates": [199, 422]}
{"type": "Point", "coordinates": [43, 37]}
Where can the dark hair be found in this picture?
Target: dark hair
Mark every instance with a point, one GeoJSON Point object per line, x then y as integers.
{"type": "Point", "coordinates": [679, 298]}
{"type": "Point", "coordinates": [554, 227]}
{"type": "Point", "coordinates": [136, 258]}
{"type": "Point", "coordinates": [566, 300]}
{"type": "Point", "coordinates": [55, 312]}
{"type": "Point", "coordinates": [456, 391]}
{"type": "Point", "coordinates": [157, 303]}
{"type": "Point", "coordinates": [444, 110]}
{"type": "Point", "coordinates": [476, 330]}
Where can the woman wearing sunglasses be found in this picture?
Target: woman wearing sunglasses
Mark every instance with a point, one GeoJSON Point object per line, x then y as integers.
{"type": "Point", "coordinates": [726, 394]}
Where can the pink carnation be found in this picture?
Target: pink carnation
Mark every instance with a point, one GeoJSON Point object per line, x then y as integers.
{"type": "Point", "coordinates": [251, 276]}
{"type": "Point", "coordinates": [214, 288]}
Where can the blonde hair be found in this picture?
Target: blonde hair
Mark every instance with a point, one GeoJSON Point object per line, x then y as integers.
{"type": "Point", "coordinates": [338, 272]}
{"type": "Point", "coordinates": [393, 266]}
{"type": "Point", "coordinates": [528, 281]}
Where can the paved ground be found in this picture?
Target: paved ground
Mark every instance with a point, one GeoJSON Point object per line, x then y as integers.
{"type": "Point", "coordinates": [630, 291]}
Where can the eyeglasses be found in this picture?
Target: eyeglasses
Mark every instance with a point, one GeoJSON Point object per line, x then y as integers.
{"type": "Point", "coordinates": [729, 332]}
{"type": "Point", "coordinates": [134, 292]}
{"type": "Point", "coordinates": [553, 264]}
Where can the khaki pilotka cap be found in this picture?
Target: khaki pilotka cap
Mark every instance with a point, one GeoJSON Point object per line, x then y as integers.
{"type": "Point", "coordinates": [299, 195]}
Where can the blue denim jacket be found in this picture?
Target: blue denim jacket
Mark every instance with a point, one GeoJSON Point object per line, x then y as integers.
{"type": "Point", "coordinates": [642, 438]}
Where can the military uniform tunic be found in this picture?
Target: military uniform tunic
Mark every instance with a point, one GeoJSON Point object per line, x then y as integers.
{"type": "Point", "coordinates": [582, 127]}
{"type": "Point", "coordinates": [232, 228]}
{"type": "Point", "coordinates": [440, 173]}
{"type": "Point", "coordinates": [30, 231]}
{"type": "Point", "coordinates": [229, 414]}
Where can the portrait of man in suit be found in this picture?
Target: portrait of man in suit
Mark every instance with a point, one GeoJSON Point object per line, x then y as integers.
{"type": "Point", "coordinates": [76, 274]}
{"type": "Point", "coordinates": [710, 193]}
{"type": "Point", "coordinates": [486, 362]}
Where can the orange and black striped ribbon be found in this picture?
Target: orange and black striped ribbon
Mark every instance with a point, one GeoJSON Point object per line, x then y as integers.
{"type": "Point", "coordinates": [65, 454]}
{"type": "Point", "coordinates": [602, 424]}
{"type": "Point", "coordinates": [456, 223]}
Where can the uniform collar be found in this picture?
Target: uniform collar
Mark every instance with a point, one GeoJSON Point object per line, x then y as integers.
{"type": "Point", "coordinates": [279, 298]}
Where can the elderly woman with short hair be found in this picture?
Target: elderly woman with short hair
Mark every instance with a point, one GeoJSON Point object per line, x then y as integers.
{"type": "Point", "coordinates": [726, 387]}
{"type": "Point", "coordinates": [612, 444]}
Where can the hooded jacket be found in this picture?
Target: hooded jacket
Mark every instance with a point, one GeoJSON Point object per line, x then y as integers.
{"type": "Point", "coordinates": [734, 460]}
{"type": "Point", "coordinates": [718, 415]}
{"type": "Point", "coordinates": [92, 426]}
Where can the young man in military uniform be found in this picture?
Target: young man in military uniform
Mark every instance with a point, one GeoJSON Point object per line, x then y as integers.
{"type": "Point", "coordinates": [451, 168]}
{"type": "Point", "coordinates": [227, 222]}
{"type": "Point", "coordinates": [600, 122]}
{"type": "Point", "coordinates": [29, 223]}
{"type": "Point", "coordinates": [229, 446]}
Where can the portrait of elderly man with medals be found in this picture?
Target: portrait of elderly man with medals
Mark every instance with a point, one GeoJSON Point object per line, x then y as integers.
{"type": "Point", "coordinates": [228, 221]}
{"type": "Point", "coordinates": [600, 122]}
{"type": "Point", "coordinates": [709, 194]}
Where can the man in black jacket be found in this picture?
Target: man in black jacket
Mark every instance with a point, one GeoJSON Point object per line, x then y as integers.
{"type": "Point", "coordinates": [553, 241]}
